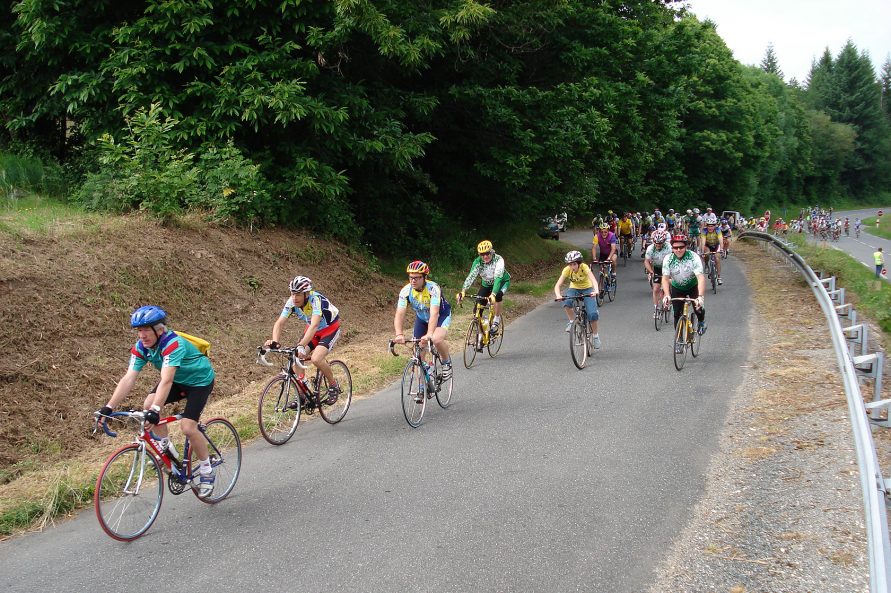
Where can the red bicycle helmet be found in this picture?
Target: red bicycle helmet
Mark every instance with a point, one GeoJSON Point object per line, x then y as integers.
{"type": "Point", "coordinates": [679, 239]}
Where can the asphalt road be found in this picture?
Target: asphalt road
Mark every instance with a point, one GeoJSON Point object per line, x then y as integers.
{"type": "Point", "coordinates": [539, 477]}
{"type": "Point", "coordinates": [862, 248]}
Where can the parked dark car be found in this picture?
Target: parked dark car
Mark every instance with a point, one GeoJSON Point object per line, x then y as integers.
{"type": "Point", "coordinates": [548, 229]}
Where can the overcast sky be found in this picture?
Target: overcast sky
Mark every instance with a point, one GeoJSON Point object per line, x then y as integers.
{"type": "Point", "coordinates": [799, 29]}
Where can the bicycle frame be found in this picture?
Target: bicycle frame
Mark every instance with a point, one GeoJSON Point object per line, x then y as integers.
{"type": "Point", "coordinates": [287, 370]}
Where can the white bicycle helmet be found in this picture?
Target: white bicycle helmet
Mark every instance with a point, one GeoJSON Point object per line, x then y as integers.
{"type": "Point", "coordinates": [711, 219]}
{"type": "Point", "coordinates": [573, 256]}
{"type": "Point", "coordinates": [660, 237]}
{"type": "Point", "coordinates": [300, 284]}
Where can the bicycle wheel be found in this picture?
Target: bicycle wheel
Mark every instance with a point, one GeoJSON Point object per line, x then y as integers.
{"type": "Point", "coordinates": [680, 337]}
{"type": "Point", "coordinates": [495, 341]}
{"type": "Point", "coordinates": [443, 387]}
{"type": "Point", "coordinates": [601, 282]}
{"type": "Point", "coordinates": [658, 317]}
{"type": "Point", "coordinates": [128, 493]}
{"type": "Point", "coordinates": [578, 344]}
{"type": "Point", "coordinates": [334, 413]}
{"type": "Point", "coordinates": [224, 450]}
{"type": "Point", "coordinates": [474, 337]}
{"type": "Point", "coordinates": [277, 421]}
{"type": "Point", "coordinates": [414, 400]}
{"type": "Point", "coordinates": [694, 337]}
{"type": "Point", "coordinates": [713, 274]}
{"type": "Point", "coordinates": [613, 285]}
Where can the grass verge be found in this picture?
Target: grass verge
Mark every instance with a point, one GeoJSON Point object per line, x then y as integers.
{"type": "Point", "coordinates": [872, 297]}
{"type": "Point", "coordinates": [882, 230]}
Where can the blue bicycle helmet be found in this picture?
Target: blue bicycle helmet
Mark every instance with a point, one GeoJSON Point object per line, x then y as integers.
{"type": "Point", "coordinates": [147, 316]}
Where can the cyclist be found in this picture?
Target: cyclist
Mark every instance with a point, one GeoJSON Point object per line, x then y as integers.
{"type": "Point", "coordinates": [847, 227]}
{"type": "Point", "coordinates": [656, 254]}
{"type": "Point", "coordinates": [693, 221]}
{"type": "Point", "coordinates": [857, 225]}
{"type": "Point", "coordinates": [606, 243]}
{"type": "Point", "coordinates": [489, 266]}
{"type": "Point", "coordinates": [682, 277]}
{"type": "Point", "coordinates": [322, 329]}
{"type": "Point", "coordinates": [185, 374]}
{"type": "Point", "coordinates": [581, 282]}
{"type": "Point", "coordinates": [433, 314]}
{"type": "Point", "coordinates": [626, 233]}
{"type": "Point", "coordinates": [726, 233]}
{"type": "Point", "coordinates": [712, 243]}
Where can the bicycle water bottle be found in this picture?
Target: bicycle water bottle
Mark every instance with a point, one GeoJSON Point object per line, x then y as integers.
{"type": "Point", "coordinates": [428, 375]}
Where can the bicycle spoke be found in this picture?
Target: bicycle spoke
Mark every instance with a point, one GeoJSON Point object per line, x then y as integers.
{"type": "Point", "coordinates": [224, 452]}
{"type": "Point", "coordinates": [277, 420]}
{"type": "Point", "coordinates": [334, 413]}
{"type": "Point", "coordinates": [128, 493]}
{"type": "Point", "coordinates": [578, 344]}
{"type": "Point", "coordinates": [414, 399]}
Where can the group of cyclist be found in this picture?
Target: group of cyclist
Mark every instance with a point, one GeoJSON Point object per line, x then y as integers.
{"type": "Point", "coordinates": [186, 372]}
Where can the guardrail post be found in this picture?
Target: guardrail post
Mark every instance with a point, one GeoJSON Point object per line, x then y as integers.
{"type": "Point", "coordinates": [837, 295]}
{"type": "Point", "coordinates": [870, 366]}
{"type": "Point", "coordinates": [857, 334]}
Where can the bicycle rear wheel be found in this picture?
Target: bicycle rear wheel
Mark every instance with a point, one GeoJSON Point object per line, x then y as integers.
{"type": "Point", "coordinates": [694, 337]}
{"type": "Point", "coordinates": [128, 493]}
{"type": "Point", "coordinates": [414, 399]}
{"type": "Point", "coordinates": [224, 449]}
{"type": "Point", "coordinates": [680, 338]}
{"type": "Point", "coordinates": [443, 386]}
{"type": "Point", "coordinates": [601, 283]}
{"type": "Point", "coordinates": [578, 344]}
{"type": "Point", "coordinates": [277, 421]}
{"type": "Point", "coordinates": [474, 338]}
{"type": "Point", "coordinates": [495, 341]}
{"type": "Point", "coordinates": [334, 413]}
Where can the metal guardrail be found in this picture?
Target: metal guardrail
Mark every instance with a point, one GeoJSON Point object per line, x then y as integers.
{"type": "Point", "coordinates": [874, 486]}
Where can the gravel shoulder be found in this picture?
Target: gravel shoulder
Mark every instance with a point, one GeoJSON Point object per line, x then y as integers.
{"type": "Point", "coordinates": [783, 509]}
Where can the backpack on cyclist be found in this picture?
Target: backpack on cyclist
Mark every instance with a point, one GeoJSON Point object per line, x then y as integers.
{"type": "Point", "coordinates": [201, 344]}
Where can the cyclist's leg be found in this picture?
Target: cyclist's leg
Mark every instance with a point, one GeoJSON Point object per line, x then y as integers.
{"type": "Point", "coordinates": [676, 306]}
{"type": "Point", "coordinates": [499, 299]}
{"type": "Point", "coordinates": [593, 313]}
{"type": "Point", "coordinates": [321, 346]}
{"type": "Point", "coordinates": [439, 338]}
{"type": "Point", "coordinates": [196, 399]}
{"type": "Point", "coordinates": [567, 303]}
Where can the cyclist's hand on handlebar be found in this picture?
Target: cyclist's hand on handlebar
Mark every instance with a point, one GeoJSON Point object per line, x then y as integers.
{"type": "Point", "coordinates": [400, 339]}
{"type": "Point", "coordinates": [491, 299]}
{"type": "Point", "coordinates": [152, 416]}
{"type": "Point", "coordinates": [104, 411]}
{"type": "Point", "coordinates": [271, 344]}
{"type": "Point", "coordinates": [302, 352]}
{"type": "Point", "coordinates": [666, 300]}
{"type": "Point", "coordinates": [700, 301]}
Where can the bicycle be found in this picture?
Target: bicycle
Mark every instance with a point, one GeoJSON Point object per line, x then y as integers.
{"type": "Point", "coordinates": [479, 334]}
{"type": "Point", "coordinates": [625, 249]}
{"type": "Point", "coordinates": [581, 342]}
{"type": "Point", "coordinates": [606, 282]}
{"type": "Point", "coordinates": [661, 311]}
{"type": "Point", "coordinates": [685, 335]}
{"type": "Point", "coordinates": [857, 232]}
{"type": "Point", "coordinates": [286, 395]}
{"type": "Point", "coordinates": [420, 382]}
{"type": "Point", "coordinates": [130, 487]}
{"type": "Point", "coordinates": [711, 270]}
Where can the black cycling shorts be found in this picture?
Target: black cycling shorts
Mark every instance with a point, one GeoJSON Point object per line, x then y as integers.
{"type": "Point", "coordinates": [196, 398]}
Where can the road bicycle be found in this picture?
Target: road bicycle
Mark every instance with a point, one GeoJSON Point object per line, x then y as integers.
{"type": "Point", "coordinates": [857, 232]}
{"type": "Point", "coordinates": [686, 338]}
{"type": "Point", "coordinates": [286, 395]}
{"type": "Point", "coordinates": [625, 248]}
{"type": "Point", "coordinates": [661, 311]}
{"type": "Point", "coordinates": [421, 381]}
{"type": "Point", "coordinates": [130, 486]}
{"type": "Point", "coordinates": [581, 341]}
{"type": "Point", "coordinates": [711, 269]}
{"type": "Point", "coordinates": [606, 281]}
{"type": "Point", "coordinates": [480, 334]}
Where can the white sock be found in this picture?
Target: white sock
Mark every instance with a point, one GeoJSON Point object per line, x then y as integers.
{"type": "Point", "coordinates": [204, 466]}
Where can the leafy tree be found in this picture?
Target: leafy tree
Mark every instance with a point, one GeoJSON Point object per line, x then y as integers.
{"type": "Point", "coordinates": [885, 80]}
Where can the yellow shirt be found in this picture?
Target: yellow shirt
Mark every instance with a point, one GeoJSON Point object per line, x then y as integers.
{"type": "Point", "coordinates": [625, 227]}
{"type": "Point", "coordinates": [577, 279]}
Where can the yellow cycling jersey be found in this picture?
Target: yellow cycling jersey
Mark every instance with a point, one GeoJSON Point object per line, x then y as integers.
{"type": "Point", "coordinates": [578, 279]}
{"type": "Point", "coordinates": [625, 227]}
{"type": "Point", "coordinates": [712, 238]}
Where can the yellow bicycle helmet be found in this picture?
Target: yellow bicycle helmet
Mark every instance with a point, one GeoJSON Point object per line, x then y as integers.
{"type": "Point", "coordinates": [603, 226]}
{"type": "Point", "coordinates": [484, 247]}
{"type": "Point", "coordinates": [417, 267]}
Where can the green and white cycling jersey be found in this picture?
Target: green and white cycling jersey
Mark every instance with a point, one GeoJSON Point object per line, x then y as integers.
{"type": "Point", "coordinates": [682, 271]}
{"type": "Point", "coordinates": [657, 257]}
{"type": "Point", "coordinates": [492, 274]}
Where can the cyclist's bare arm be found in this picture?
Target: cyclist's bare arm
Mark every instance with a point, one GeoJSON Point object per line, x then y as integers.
{"type": "Point", "coordinates": [125, 386]}
{"type": "Point", "coordinates": [277, 330]}
{"type": "Point", "coordinates": [398, 321]}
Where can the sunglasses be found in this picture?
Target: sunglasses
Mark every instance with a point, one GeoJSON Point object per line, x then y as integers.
{"type": "Point", "coordinates": [415, 277]}
{"type": "Point", "coordinates": [676, 247]}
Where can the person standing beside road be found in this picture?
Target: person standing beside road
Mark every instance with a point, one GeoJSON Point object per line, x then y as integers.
{"type": "Point", "coordinates": [880, 262]}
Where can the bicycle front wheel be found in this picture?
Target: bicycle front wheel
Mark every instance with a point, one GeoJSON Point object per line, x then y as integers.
{"type": "Point", "coordinates": [224, 451]}
{"type": "Point", "coordinates": [128, 493]}
{"type": "Point", "coordinates": [474, 339]}
{"type": "Point", "coordinates": [613, 285]}
{"type": "Point", "coordinates": [278, 422]}
{"type": "Point", "coordinates": [414, 399]}
{"type": "Point", "coordinates": [495, 340]}
{"type": "Point", "coordinates": [443, 386]}
{"type": "Point", "coordinates": [713, 275]}
{"type": "Point", "coordinates": [334, 413]}
{"type": "Point", "coordinates": [578, 344]}
{"type": "Point", "coordinates": [680, 344]}
{"type": "Point", "coordinates": [658, 317]}
{"type": "Point", "coordinates": [695, 338]}
{"type": "Point", "coordinates": [601, 283]}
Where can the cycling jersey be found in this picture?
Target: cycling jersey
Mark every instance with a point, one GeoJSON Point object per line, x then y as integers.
{"type": "Point", "coordinates": [657, 257]}
{"type": "Point", "coordinates": [712, 238]}
{"type": "Point", "coordinates": [683, 271]}
{"type": "Point", "coordinates": [604, 243]}
{"type": "Point", "coordinates": [421, 301]}
{"type": "Point", "coordinates": [726, 230]}
{"type": "Point", "coordinates": [316, 304]}
{"type": "Point", "coordinates": [625, 227]}
{"type": "Point", "coordinates": [578, 279]}
{"type": "Point", "coordinates": [491, 274]}
{"type": "Point", "coordinates": [192, 367]}
{"type": "Point", "coordinates": [693, 226]}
